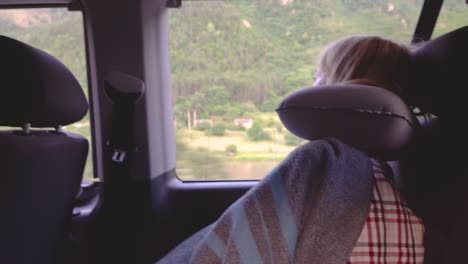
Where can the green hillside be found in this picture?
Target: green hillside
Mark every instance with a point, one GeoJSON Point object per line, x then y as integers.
{"type": "Point", "coordinates": [255, 52]}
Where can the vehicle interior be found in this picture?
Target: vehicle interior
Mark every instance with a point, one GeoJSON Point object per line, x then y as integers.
{"type": "Point", "coordinates": [127, 126]}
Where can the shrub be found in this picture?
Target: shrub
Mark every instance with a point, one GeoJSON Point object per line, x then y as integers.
{"type": "Point", "coordinates": [231, 149]}
{"type": "Point", "coordinates": [256, 133]}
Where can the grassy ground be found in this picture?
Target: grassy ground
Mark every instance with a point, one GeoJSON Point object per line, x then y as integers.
{"type": "Point", "coordinates": [204, 157]}
{"type": "Point", "coordinates": [245, 147]}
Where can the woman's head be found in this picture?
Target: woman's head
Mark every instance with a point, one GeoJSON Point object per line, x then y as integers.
{"type": "Point", "coordinates": [370, 60]}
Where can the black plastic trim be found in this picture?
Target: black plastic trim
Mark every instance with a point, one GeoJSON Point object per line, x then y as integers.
{"type": "Point", "coordinates": [427, 20]}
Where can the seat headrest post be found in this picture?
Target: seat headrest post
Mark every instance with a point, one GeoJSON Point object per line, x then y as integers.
{"type": "Point", "coordinates": [26, 128]}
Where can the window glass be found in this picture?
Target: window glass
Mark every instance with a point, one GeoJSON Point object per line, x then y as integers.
{"type": "Point", "coordinates": [60, 33]}
{"type": "Point", "coordinates": [453, 15]}
{"type": "Point", "coordinates": [233, 61]}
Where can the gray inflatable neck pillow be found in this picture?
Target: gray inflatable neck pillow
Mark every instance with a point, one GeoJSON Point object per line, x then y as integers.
{"type": "Point", "coordinates": [370, 119]}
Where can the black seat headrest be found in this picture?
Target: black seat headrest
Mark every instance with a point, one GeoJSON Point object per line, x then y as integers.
{"type": "Point", "coordinates": [368, 118]}
{"type": "Point", "coordinates": [37, 88]}
{"type": "Point", "coordinates": [439, 75]}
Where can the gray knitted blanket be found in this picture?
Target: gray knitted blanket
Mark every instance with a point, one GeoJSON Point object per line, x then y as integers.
{"type": "Point", "coordinates": [310, 209]}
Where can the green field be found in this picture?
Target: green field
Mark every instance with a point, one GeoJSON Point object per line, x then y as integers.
{"type": "Point", "coordinates": [201, 155]}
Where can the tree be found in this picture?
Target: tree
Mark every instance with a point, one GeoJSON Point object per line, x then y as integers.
{"type": "Point", "coordinates": [271, 102]}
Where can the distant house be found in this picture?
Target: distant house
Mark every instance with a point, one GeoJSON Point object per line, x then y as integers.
{"type": "Point", "coordinates": [247, 123]}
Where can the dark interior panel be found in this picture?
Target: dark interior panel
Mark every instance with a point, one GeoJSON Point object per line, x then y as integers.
{"type": "Point", "coordinates": [182, 208]}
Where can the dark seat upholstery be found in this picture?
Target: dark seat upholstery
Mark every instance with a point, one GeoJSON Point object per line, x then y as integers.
{"type": "Point", "coordinates": [435, 171]}
{"type": "Point", "coordinates": [40, 170]}
{"type": "Point", "coordinates": [440, 74]}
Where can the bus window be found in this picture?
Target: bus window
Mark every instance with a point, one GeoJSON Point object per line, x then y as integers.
{"type": "Point", "coordinates": [453, 15]}
{"type": "Point", "coordinates": [233, 61]}
{"type": "Point", "coordinates": [60, 33]}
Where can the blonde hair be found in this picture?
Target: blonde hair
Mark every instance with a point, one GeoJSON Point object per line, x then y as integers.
{"type": "Point", "coordinates": [368, 60]}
